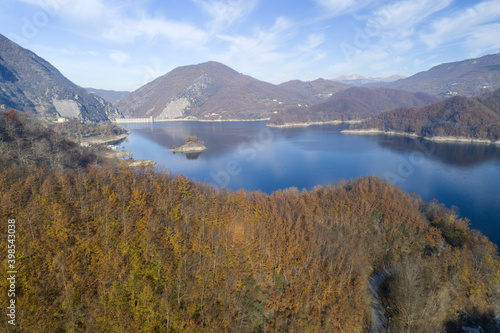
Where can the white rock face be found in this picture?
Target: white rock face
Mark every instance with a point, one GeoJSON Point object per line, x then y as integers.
{"type": "Point", "coordinates": [175, 108]}
{"type": "Point", "coordinates": [67, 108]}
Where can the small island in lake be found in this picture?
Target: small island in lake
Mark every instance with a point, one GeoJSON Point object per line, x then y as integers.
{"type": "Point", "coordinates": [192, 145]}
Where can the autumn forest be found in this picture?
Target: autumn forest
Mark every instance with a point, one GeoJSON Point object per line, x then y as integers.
{"type": "Point", "coordinates": [102, 247]}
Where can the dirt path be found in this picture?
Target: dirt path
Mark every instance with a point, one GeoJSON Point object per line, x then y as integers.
{"type": "Point", "coordinates": [377, 312]}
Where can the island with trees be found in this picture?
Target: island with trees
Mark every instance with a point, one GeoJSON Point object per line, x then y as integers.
{"type": "Point", "coordinates": [192, 145]}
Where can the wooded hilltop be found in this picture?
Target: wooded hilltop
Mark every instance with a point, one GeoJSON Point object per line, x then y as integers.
{"type": "Point", "coordinates": [458, 117]}
{"type": "Point", "coordinates": [104, 248]}
{"type": "Point", "coordinates": [355, 103]}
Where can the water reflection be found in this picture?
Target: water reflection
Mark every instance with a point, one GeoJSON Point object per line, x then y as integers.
{"type": "Point", "coordinates": [189, 156]}
{"type": "Point", "coordinates": [456, 154]}
{"type": "Point", "coordinates": [222, 138]}
{"type": "Point", "coordinates": [192, 156]}
{"type": "Point", "coordinates": [218, 137]}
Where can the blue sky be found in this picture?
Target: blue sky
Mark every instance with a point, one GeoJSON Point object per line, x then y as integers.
{"type": "Point", "coordinates": [123, 44]}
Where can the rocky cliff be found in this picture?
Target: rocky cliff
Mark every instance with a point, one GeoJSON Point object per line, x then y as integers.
{"type": "Point", "coordinates": [29, 83]}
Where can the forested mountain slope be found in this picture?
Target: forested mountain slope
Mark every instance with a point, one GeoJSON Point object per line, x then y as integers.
{"type": "Point", "coordinates": [25, 142]}
{"type": "Point", "coordinates": [29, 83]}
{"type": "Point", "coordinates": [355, 103]}
{"type": "Point", "coordinates": [469, 77]}
{"type": "Point", "coordinates": [104, 248]}
{"type": "Point", "coordinates": [462, 117]}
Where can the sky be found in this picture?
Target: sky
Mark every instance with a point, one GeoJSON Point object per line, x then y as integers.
{"type": "Point", "coordinates": [124, 44]}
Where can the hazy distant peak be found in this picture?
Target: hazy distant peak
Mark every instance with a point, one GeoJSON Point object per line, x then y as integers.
{"type": "Point", "coordinates": [349, 77]}
{"type": "Point", "coordinates": [111, 96]}
{"type": "Point", "coordinates": [392, 78]}
{"type": "Point", "coordinates": [359, 80]}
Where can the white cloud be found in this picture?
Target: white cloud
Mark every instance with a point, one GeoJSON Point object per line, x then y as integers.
{"type": "Point", "coordinates": [79, 10]}
{"type": "Point", "coordinates": [384, 35]}
{"type": "Point", "coordinates": [78, 52]}
{"type": "Point", "coordinates": [224, 13]}
{"type": "Point", "coordinates": [262, 53]}
{"type": "Point", "coordinates": [263, 46]}
{"type": "Point", "coordinates": [314, 40]}
{"type": "Point", "coordinates": [484, 39]}
{"type": "Point", "coordinates": [119, 57]}
{"type": "Point", "coordinates": [461, 24]}
{"type": "Point", "coordinates": [402, 17]}
{"type": "Point", "coordinates": [338, 7]}
{"type": "Point", "coordinates": [387, 35]}
{"type": "Point", "coordinates": [374, 57]}
{"type": "Point", "coordinates": [121, 23]}
{"type": "Point", "coordinates": [179, 33]}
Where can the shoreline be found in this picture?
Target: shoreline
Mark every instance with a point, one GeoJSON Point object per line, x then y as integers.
{"type": "Point", "coordinates": [141, 163]}
{"type": "Point", "coordinates": [227, 120]}
{"type": "Point", "coordinates": [330, 122]}
{"type": "Point", "coordinates": [148, 121]}
{"type": "Point", "coordinates": [461, 139]}
{"type": "Point", "coordinates": [116, 154]}
{"type": "Point", "coordinates": [101, 141]}
{"type": "Point", "coordinates": [188, 150]}
{"type": "Point", "coordinates": [455, 139]}
{"type": "Point", "coordinates": [375, 131]}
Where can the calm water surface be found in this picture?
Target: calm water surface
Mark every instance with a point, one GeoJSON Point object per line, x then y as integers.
{"type": "Point", "coordinates": [250, 156]}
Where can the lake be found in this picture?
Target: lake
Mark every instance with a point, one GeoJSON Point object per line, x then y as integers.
{"type": "Point", "coordinates": [251, 156]}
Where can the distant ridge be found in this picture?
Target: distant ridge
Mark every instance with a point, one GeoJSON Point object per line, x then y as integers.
{"type": "Point", "coordinates": [359, 80]}
{"type": "Point", "coordinates": [355, 103]}
{"type": "Point", "coordinates": [112, 96]}
{"type": "Point", "coordinates": [314, 91]}
{"type": "Point", "coordinates": [469, 78]}
{"type": "Point", "coordinates": [29, 83]}
{"type": "Point", "coordinates": [213, 91]}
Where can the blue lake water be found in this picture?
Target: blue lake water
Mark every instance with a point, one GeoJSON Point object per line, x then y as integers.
{"type": "Point", "coordinates": [251, 156]}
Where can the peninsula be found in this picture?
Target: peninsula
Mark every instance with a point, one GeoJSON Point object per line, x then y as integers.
{"type": "Point", "coordinates": [457, 119]}
{"type": "Point", "coordinates": [350, 106]}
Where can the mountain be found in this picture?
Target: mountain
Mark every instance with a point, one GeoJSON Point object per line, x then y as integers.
{"type": "Point", "coordinates": [491, 100]}
{"type": "Point", "coordinates": [353, 104]}
{"type": "Point", "coordinates": [111, 96]}
{"type": "Point", "coordinates": [359, 80]}
{"type": "Point", "coordinates": [314, 91]}
{"type": "Point", "coordinates": [350, 77]}
{"type": "Point", "coordinates": [212, 90]}
{"type": "Point", "coordinates": [469, 78]}
{"type": "Point", "coordinates": [458, 116]}
{"type": "Point", "coordinates": [29, 83]}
